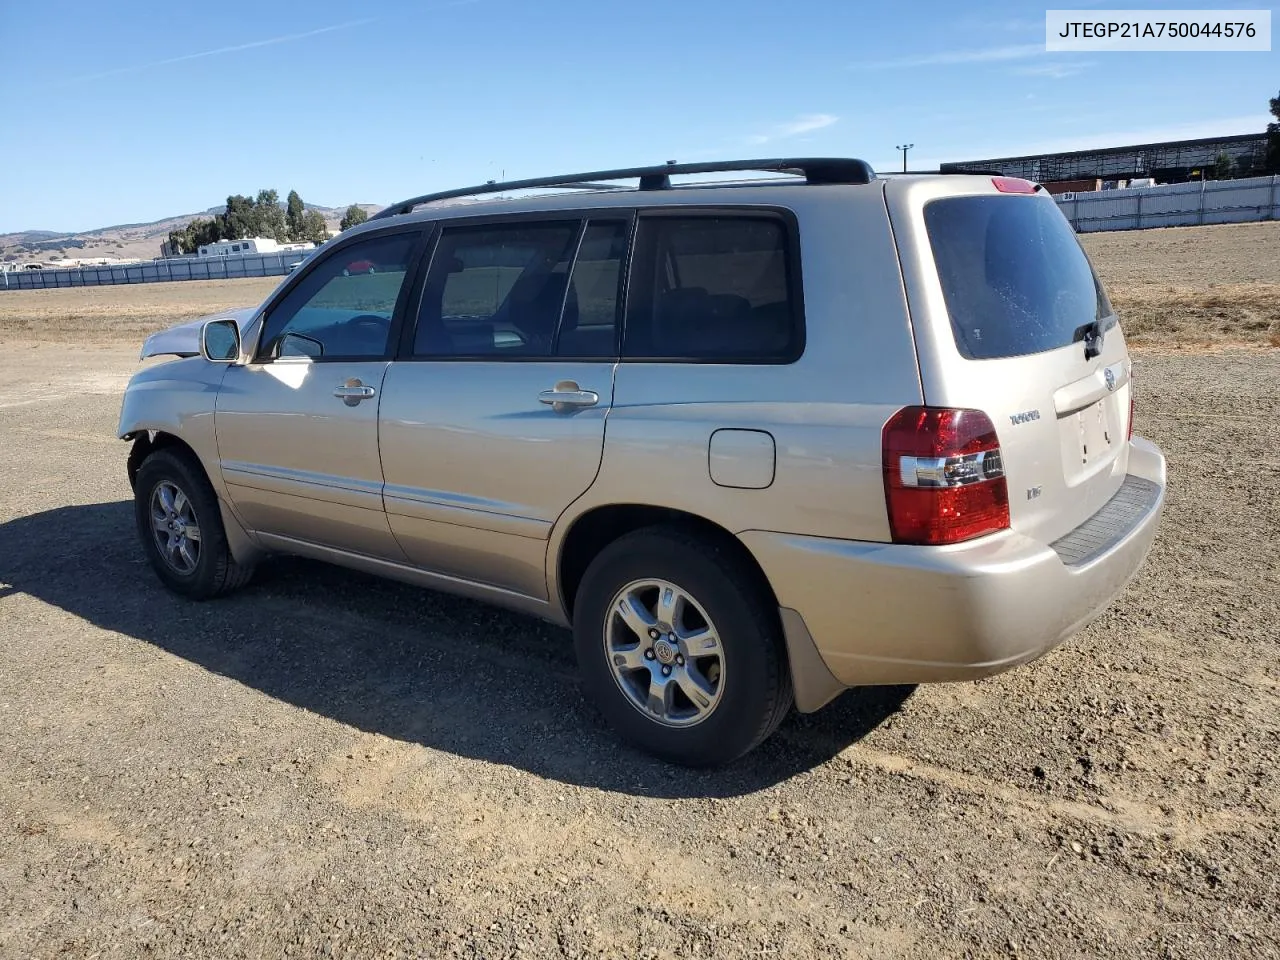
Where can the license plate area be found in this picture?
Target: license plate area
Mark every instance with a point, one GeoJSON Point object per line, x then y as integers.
{"type": "Point", "coordinates": [1090, 440]}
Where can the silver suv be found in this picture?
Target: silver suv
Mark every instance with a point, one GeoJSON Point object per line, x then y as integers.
{"type": "Point", "coordinates": [755, 441]}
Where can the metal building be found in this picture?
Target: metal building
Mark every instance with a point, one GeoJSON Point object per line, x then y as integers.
{"type": "Point", "coordinates": [1174, 162]}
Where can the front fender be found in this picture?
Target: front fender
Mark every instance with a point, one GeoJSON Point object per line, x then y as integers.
{"type": "Point", "coordinates": [178, 399]}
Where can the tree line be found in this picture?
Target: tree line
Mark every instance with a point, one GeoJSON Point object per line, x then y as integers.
{"type": "Point", "coordinates": [1252, 164]}
{"type": "Point", "coordinates": [1273, 137]}
{"type": "Point", "coordinates": [262, 216]}
{"type": "Point", "coordinates": [1225, 169]}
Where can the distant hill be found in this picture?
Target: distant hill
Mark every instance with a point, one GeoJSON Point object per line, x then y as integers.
{"type": "Point", "coordinates": [125, 240]}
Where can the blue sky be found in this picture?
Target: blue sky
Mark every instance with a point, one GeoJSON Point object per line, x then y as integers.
{"type": "Point", "coordinates": [128, 112]}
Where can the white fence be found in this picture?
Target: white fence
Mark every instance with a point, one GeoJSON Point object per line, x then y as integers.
{"type": "Point", "coordinates": [1174, 205]}
{"type": "Point", "coordinates": [155, 271]}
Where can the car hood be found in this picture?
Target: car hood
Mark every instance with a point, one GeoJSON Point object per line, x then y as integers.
{"type": "Point", "coordinates": [184, 339]}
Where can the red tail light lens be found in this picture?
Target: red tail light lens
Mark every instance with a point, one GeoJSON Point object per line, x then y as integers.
{"type": "Point", "coordinates": [943, 477]}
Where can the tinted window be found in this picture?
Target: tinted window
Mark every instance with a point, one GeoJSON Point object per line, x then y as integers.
{"type": "Point", "coordinates": [1013, 274]}
{"type": "Point", "coordinates": [343, 307]}
{"type": "Point", "coordinates": [711, 288]}
{"type": "Point", "coordinates": [496, 290]}
{"type": "Point", "coordinates": [590, 322]}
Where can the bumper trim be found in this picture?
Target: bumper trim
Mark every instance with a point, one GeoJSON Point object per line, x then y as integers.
{"type": "Point", "coordinates": [1106, 528]}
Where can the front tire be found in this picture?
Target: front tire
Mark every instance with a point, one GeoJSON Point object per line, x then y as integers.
{"type": "Point", "coordinates": [180, 527]}
{"type": "Point", "coordinates": [680, 647]}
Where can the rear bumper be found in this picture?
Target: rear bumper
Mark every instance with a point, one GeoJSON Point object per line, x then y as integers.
{"type": "Point", "coordinates": [887, 613]}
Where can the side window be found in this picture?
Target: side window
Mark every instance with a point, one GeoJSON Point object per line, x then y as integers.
{"type": "Point", "coordinates": [343, 307]}
{"type": "Point", "coordinates": [712, 288]}
{"type": "Point", "coordinates": [495, 290]}
{"type": "Point", "coordinates": [591, 308]}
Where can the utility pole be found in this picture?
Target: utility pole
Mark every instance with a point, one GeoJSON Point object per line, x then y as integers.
{"type": "Point", "coordinates": [904, 147]}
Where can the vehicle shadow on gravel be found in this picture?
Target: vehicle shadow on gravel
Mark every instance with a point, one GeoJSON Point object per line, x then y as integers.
{"type": "Point", "coordinates": [411, 664]}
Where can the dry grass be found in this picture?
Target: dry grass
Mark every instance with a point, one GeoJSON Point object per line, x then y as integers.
{"type": "Point", "coordinates": [1194, 287]}
{"type": "Point", "coordinates": [1198, 256]}
{"type": "Point", "coordinates": [1183, 317]}
{"type": "Point", "coordinates": [1178, 288]}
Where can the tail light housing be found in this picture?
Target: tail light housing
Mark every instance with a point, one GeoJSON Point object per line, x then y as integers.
{"type": "Point", "coordinates": [943, 476]}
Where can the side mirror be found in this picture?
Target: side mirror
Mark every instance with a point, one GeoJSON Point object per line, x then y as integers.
{"type": "Point", "coordinates": [220, 341]}
{"type": "Point", "coordinates": [298, 345]}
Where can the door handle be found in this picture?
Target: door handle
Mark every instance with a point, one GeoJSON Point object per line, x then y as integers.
{"type": "Point", "coordinates": [567, 396]}
{"type": "Point", "coordinates": [353, 391]}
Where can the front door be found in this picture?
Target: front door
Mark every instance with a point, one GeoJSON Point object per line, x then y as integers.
{"type": "Point", "coordinates": [298, 427]}
{"type": "Point", "coordinates": [493, 423]}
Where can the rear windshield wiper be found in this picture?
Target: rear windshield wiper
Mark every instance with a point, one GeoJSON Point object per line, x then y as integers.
{"type": "Point", "coordinates": [1091, 333]}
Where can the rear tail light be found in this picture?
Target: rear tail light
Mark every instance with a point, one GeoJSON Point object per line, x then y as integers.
{"type": "Point", "coordinates": [943, 476]}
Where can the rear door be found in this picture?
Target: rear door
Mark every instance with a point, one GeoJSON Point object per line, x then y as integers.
{"type": "Point", "coordinates": [493, 420]}
{"type": "Point", "coordinates": [1010, 319]}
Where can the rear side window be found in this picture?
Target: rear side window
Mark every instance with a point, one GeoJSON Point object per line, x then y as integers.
{"type": "Point", "coordinates": [712, 288]}
{"type": "Point", "coordinates": [1014, 277]}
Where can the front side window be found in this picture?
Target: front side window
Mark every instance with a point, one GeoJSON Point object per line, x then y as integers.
{"type": "Point", "coordinates": [712, 288]}
{"type": "Point", "coordinates": [344, 306]}
{"type": "Point", "coordinates": [496, 290]}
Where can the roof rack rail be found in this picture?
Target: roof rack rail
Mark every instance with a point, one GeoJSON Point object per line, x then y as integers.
{"type": "Point", "coordinates": [815, 170]}
{"type": "Point", "coordinates": [951, 169]}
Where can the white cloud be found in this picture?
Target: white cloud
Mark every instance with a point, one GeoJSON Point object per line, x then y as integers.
{"type": "Point", "coordinates": [805, 123]}
{"type": "Point", "coordinates": [252, 45]}
{"type": "Point", "coordinates": [1018, 51]}
{"type": "Point", "coordinates": [1057, 70]}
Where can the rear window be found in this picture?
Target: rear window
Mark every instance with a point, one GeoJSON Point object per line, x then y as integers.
{"type": "Point", "coordinates": [1015, 278]}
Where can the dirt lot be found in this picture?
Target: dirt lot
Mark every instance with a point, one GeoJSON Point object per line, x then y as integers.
{"type": "Point", "coordinates": [325, 764]}
{"type": "Point", "coordinates": [1194, 287]}
{"type": "Point", "coordinates": [124, 313]}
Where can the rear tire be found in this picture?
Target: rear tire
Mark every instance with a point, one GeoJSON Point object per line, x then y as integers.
{"type": "Point", "coordinates": [180, 526]}
{"type": "Point", "coordinates": [663, 684]}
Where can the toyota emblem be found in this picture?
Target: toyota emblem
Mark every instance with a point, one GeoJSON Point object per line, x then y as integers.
{"type": "Point", "coordinates": [1110, 376]}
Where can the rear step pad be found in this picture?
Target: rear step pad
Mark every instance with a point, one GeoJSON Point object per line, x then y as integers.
{"type": "Point", "coordinates": [1109, 525]}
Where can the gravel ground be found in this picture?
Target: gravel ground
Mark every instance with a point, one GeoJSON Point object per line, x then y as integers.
{"type": "Point", "coordinates": [330, 765]}
{"type": "Point", "coordinates": [1193, 287]}
{"type": "Point", "coordinates": [1197, 256]}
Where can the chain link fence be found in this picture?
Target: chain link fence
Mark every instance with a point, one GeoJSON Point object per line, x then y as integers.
{"type": "Point", "coordinates": [156, 271]}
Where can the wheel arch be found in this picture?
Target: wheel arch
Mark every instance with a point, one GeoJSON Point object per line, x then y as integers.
{"type": "Point", "coordinates": [147, 442]}
{"type": "Point", "coordinates": [594, 529]}
{"type": "Point", "coordinates": [591, 531]}
{"type": "Point", "coordinates": [244, 548]}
